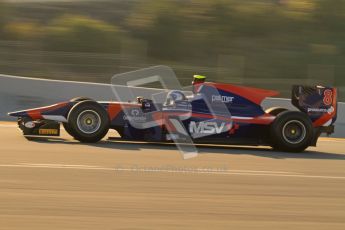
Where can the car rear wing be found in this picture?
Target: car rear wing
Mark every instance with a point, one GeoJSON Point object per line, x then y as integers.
{"type": "Point", "coordinates": [318, 102]}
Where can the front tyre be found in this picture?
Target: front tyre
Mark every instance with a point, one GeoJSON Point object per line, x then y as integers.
{"type": "Point", "coordinates": [291, 131]}
{"type": "Point", "coordinates": [66, 125]}
{"type": "Point", "coordinates": [68, 128]}
{"type": "Point", "coordinates": [88, 121]}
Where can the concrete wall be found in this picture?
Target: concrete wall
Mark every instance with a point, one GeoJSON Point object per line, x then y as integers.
{"type": "Point", "coordinates": [17, 93]}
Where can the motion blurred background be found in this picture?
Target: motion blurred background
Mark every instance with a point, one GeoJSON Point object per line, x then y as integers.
{"type": "Point", "coordinates": [263, 43]}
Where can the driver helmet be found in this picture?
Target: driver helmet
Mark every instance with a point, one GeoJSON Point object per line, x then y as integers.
{"type": "Point", "coordinates": [198, 79]}
{"type": "Point", "coordinates": [176, 95]}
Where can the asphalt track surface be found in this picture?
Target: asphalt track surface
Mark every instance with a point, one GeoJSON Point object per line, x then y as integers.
{"type": "Point", "coordinates": [58, 183]}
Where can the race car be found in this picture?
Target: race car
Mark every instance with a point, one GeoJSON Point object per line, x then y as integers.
{"type": "Point", "coordinates": [215, 113]}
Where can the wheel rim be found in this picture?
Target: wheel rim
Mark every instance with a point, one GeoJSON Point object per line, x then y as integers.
{"type": "Point", "coordinates": [294, 132]}
{"type": "Point", "coordinates": [89, 121]}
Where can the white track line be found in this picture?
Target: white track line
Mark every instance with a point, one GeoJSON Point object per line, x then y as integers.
{"type": "Point", "coordinates": [178, 168]}
{"type": "Point", "coordinates": [175, 171]}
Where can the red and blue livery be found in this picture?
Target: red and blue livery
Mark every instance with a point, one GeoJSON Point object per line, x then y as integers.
{"type": "Point", "coordinates": [243, 122]}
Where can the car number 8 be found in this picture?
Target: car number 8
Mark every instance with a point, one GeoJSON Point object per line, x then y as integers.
{"type": "Point", "coordinates": [327, 99]}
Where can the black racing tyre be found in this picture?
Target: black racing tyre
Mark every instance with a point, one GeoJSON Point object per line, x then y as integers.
{"type": "Point", "coordinates": [88, 121]}
{"type": "Point", "coordinates": [291, 131]}
{"type": "Point", "coordinates": [68, 129]}
{"type": "Point", "coordinates": [66, 125]}
{"type": "Point", "coordinates": [274, 111]}
{"type": "Point", "coordinates": [78, 99]}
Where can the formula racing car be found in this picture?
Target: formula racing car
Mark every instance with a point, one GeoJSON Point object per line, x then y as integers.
{"type": "Point", "coordinates": [215, 113]}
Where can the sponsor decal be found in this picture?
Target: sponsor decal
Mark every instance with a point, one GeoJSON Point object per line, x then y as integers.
{"type": "Point", "coordinates": [135, 115]}
{"type": "Point", "coordinates": [224, 99]}
{"type": "Point", "coordinates": [208, 127]}
{"type": "Point", "coordinates": [321, 110]}
{"type": "Point", "coordinates": [147, 105]}
{"type": "Point", "coordinates": [29, 125]}
{"type": "Point", "coordinates": [135, 112]}
{"type": "Point", "coordinates": [170, 137]}
{"type": "Point", "coordinates": [131, 118]}
{"type": "Point", "coordinates": [48, 131]}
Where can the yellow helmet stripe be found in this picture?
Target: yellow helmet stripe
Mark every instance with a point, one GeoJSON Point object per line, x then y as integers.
{"type": "Point", "coordinates": [199, 77]}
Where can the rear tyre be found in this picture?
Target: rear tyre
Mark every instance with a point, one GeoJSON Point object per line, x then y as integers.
{"type": "Point", "coordinates": [274, 111]}
{"type": "Point", "coordinates": [291, 131]}
{"type": "Point", "coordinates": [78, 99]}
{"type": "Point", "coordinates": [88, 121]}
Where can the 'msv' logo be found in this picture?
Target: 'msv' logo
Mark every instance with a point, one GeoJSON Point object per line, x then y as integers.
{"type": "Point", "coordinates": [208, 127]}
